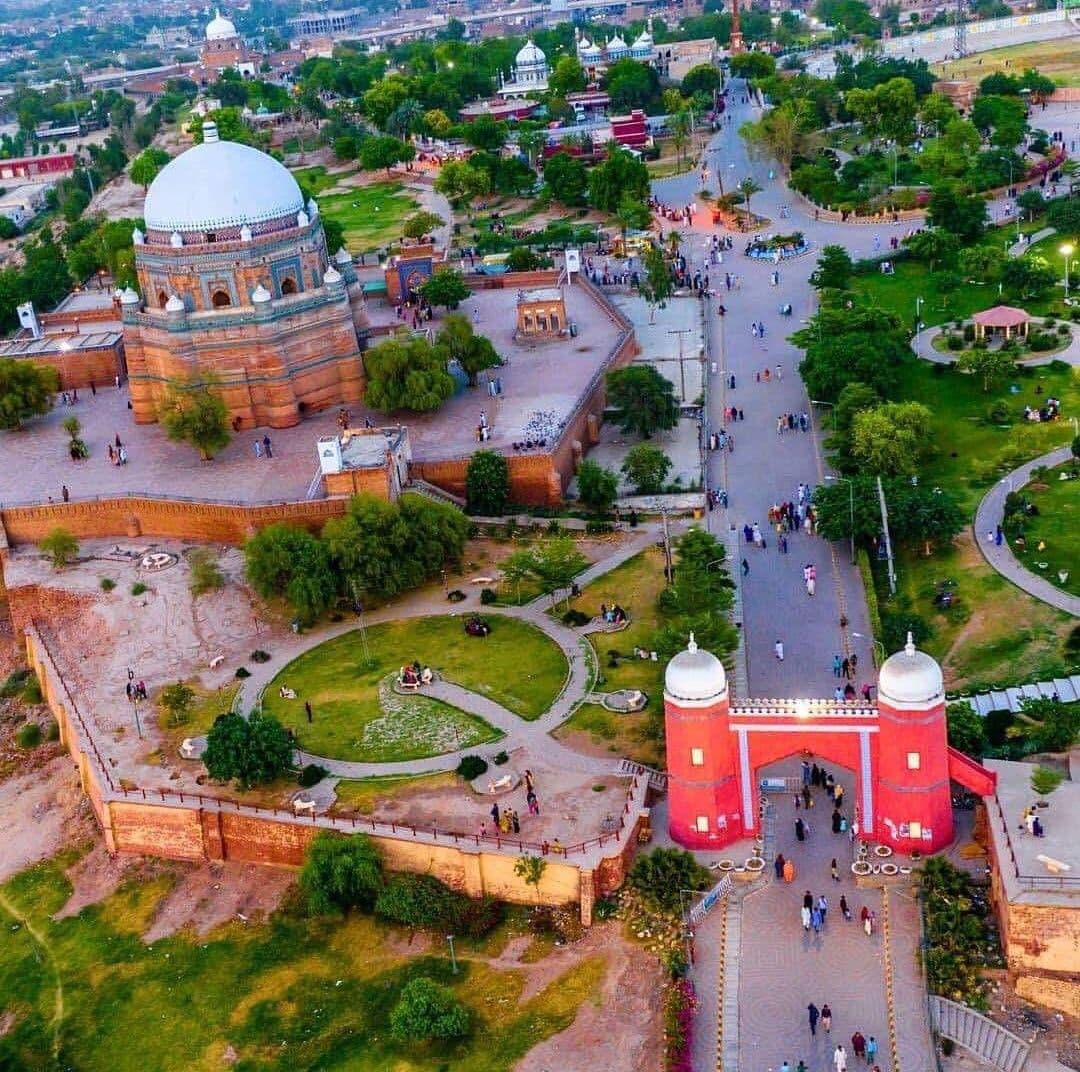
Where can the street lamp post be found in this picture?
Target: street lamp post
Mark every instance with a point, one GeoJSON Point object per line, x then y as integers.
{"type": "Point", "coordinates": [1067, 251]}
{"type": "Point", "coordinates": [453, 959]}
{"type": "Point", "coordinates": [879, 648]}
{"type": "Point", "coordinates": [831, 405]}
{"type": "Point", "coordinates": [851, 508]}
{"type": "Point", "coordinates": [918, 323]}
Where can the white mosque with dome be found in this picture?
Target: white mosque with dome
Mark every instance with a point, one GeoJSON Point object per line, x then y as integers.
{"type": "Point", "coordinates": [224, 47]}
{"type": "Point", "coordinates": [595, 57]}
{"type": "Point", "coordinates": [528, 75]}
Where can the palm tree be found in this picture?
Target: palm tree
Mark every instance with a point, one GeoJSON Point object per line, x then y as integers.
{"type": "Point", "coordinates": [748, 188]}
{"type": "Point", "coordinates": [674, 242]}
{"type": "Point", "coordinates": [680, 135]}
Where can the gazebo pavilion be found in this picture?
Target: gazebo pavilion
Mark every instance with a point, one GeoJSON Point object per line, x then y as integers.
{"type": "Point", "coordinates": [1006, 319]}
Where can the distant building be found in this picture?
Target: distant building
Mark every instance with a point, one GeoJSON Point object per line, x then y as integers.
{"type": "Point", "coordinates": [23, 203]}
{"type": "Point", "coordinates": [224, 48]}
{"type": "Point", "coordinates": [528, 75]}
{"type": "Point", "coordinates": [29, 167]}
{"type": "Point", "coordinates": [672, 60]}
{"type": "Point", "coordinates": [371, 460]}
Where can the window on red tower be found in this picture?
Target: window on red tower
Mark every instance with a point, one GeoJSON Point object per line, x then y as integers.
{"type": "Point", "coordinates": [914, 761]}
{"type": "Point", "coordinates": [697, 757]}
{"type": "Point", "coordinates": [702, 824]}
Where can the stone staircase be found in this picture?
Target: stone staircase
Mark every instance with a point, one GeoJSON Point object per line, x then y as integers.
{"type": "Point", "coordinates": [430, 491]}
{"type": "Point", "coordinates": [967, 1028]}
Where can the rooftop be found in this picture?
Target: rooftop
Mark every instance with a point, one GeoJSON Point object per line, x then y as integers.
{"type": "Point", "coordinates": [365, 448]}
{"type": "Point", "coordinates": [28, 346]}
{"type": "Point", "coordinates": [545, 294]}
{"type": "Point", "coordinates": [1002, 316]}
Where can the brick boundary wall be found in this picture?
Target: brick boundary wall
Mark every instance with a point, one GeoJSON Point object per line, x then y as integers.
{"type": "Point", "coordinates": [183, 826]}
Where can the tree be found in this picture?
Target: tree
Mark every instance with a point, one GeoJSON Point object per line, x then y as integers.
{"type": "Point", "coordinates": [886, 111]}
{"type": "Point", "coordinates": [460, 182]}
{"type": "Point", "coordinates": [704, 78]}
{"type": "Point", "coordinates": [341, 873]}
{"type": "Point", "coordinates": [993, 366]}
{"type": "Point", "coordinates": [485, 132]}
{"type": "Point", "coordinates": [383, 97]}
{"type": "Point", "coordinates": [644, 399]}
{"type": "Point", "coordinates": [290, 563]}
{"type": "Point", "coordinates": [966, 730]}
{"type": "Point", "coordinates": [26, 390]}
{"type": "Point", "coordinates": [1028, 277]}
{"type": "Point", "coordinates": [1047, 725]}
{"type": "Point", "coordinates": [406, 374]}
{"type": "Point", "coordinates": [631, 84]}
{"type": "Point", "coordinates": [597, 486]}
{"type": "Point", "coordinates": [753, 66]}
{"type": "Point", "coordinates": [1003, 118]}
{"type": "Point", "coordinates": [176, 701]}
{"type": "Point", "coordinates": [632, 215]}
{"type": "Point", "coordinates": [552, 563]}
{"type": "Point", "coordinates": [646, 468]}
{"type": "Point", "coordinates": [523, 259]}
{"type": "Point", "coordinates": [427, 1010]}
{"type": "Point", "coordinates": [784, 132]}
{"type": "Point", "coordinates": [1064, 215]}
{"type": "Point", "coordinates": [487, 484]}
{"type": "Point", "coordinates": [253, 750]}
{"type": "Point", "coordinates": [833, 270]}
{"type": "Point", "coordinates": [194, 412]}
{"type": "Point", "coordinates": [60, 546]}
{"type": "Point", "coordinates": [530, 869]}
{"type": "Point", "coordinates": [984, 263]}
{"type": "Point", "coordinates": [1044, 780]}
{"type": "Point", "coordinates": [458, 342]}
{"type": "Point", "coordinates": [661, 876]}
{"type": "Point", "coordinates": [420, 224]}
{"type": "Point", "coordinates": [621, 176]}
{"type": "Point", "coordinates": [959, 213]}
{"type": "Point", "coordinates": [934, 246]}
{"type": "Point", "coordinates": [384, 151]}
{"type": "Point", "coordinates": [853, 399]}
{"type": "Point", "coordinates": [145, 167]}
{"type": "Point", "coordinates": [748, 188]}
{"type": "Point", "coordinates": [437, 122]}
{"type": "Point", "coordinates": [891, 438]}
{"type": "Point", "coordinates": [1032, 202]}
{"type": "Point", "coordinates": [655, 282]}
{"type": "Point", "coordinates": [937, 110]}
{"type": "Point", "coordinates": [404, 119]}
{"type": "Point", "coordinates": [567, 77]}
{"type": "Point", "coordinates": [446, 287]}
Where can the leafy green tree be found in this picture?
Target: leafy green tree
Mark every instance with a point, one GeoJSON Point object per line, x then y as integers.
{"type": "Point", "coordinates": [406, 374]}
{"type": "Point", "coordinates": [645, 400]}
{"type": "Point", "coordinates": [458, 342]}
{"type": "Point", "coordinates": [1032, 202]}
{"type": "Point", "coordinates": [437, 122]}
{"type": "Point", "coordinates": [459, 182]}
{"type": "Point", "coordinates": [487, 484]}
{"type": "Point", "coordinates": [485, 132]}
{"type": "Point", "coordinates": [567, 77]}
{"type": "Point", "coordinates": [60, 546]}
{"type": "Point", "coordinates": [341, 873]}
{"type": "Point", "coordinates": [597, 486]}
{"type": "Point", "coordinates": [966, 730]}
{"type": "Point", "coordinates": [523, 259]}
{"type": "Point", "coordinates": [1029, 277]}
{"type": "Point", "coordinates": [288, 562]}
{"type": "Point", "coordinates": [1047, 725]}
{"type": "Point", "coordinates": [384, 151]}
{"type": "Point", "coordinates": [194, 412]}
{"type": "Point", "coordinates": [631, 84]}
{"type": "Point", "coordinates": [621, 176]}
{"type": "Point", "coordinates": [420, 224]}
{"type": "Point", "coordinates": [704, 78]}
{"type": "Point", "coordinates": [446, 287]}
{"type": "Point", "coordinates": [383, 97]}
{"type": "Point", "coordinates": [404, 120]}
{"type": "Point", "coordinates": [993, 367]}
{"type": "Point", "coordinates": [934, 246]}
{"type": "Point", "coordinates": [1003, 118]}
{"type": "Point", "coordinates": [891, 438]}
{"type": "Point", "coordinates": [145, 167]}
{"type": "Point", "coordinates": [1044, 780]}
{"type": "Point", "coordinates": [530, 869]}
{"type": "Point", "coordinates": [748, 188]}
{"type": "Point", "coordinates": [854, 398]}
{"type": "Point", "coordinates": [784, 132]}
{"type": "Point", "coordinates": [426, 1011]}
{"type": "Point", "coordinates": [959, 213]}
{"type": "Point", "coordinates": [26, 391]}
{"type": "Point", "coordinates": [886, 111]}
{"type": "Point", "coordinates": [834, 269]}
{"type": "Point", "coordinates": [176, 701]}
{"type": "Point", "coordinates": [984, 263]}
{"type": "Point", "coordinates": [646, 468]}
{"type": "Point", "coordinates": [566, 178]}
{"type": "Point", "coordinates": [937, 110]}
{"type": "Point", "coordinates": [252, 750]}
{"type": "Point", "coordinates": [661, 875]}
{"type": "Point", "coordinates": [753, 66]}
{"type": "Point", "coordinates": [1065, 215]}
{"type": "Point", "coordinates": [552, 563]}
{"type": "Point", "coordinates": [656, 284]}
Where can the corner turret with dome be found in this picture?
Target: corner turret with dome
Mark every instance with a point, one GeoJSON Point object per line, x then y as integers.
{"type": "Point", "coordinates": [230, 244]}
{"type": "Point", "coordinates": [694, 676]}
{"type": "Point", "coordinates": [911, 679]}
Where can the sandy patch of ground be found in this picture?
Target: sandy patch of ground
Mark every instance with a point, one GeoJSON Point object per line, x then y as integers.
{"type": "Point", "coordinates": [623, 1022]}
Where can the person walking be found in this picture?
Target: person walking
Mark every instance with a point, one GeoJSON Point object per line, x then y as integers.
{"type": "Point", "coordinates": [826, 1018]}
{"type": "Point", "coordinates": [858, 1044]}
{"type": "Point", "coordinates": [834, 870]}
{"type": "Point", "coordinates": [844, 910]}
{"type": "Point", "coordinates": [807, 917]}
{"type": "Point", "coordinates": [805, 772]}
{"type": "Point", "coordinates": [800, 829]}
{"type": "Point", "coordinates": [267, 447]}
{"type": "Point", "coordinates": [867, 917]}
{"type": "Point", "coordinates": [745, 568]}
{"type": "Point", "coordinates": [839, 1059]}
{"type": "Point", "coordinates": [778, 650]}
{"type": "Point", "coordinates": [812, 1014]}
{"type": "Point", "coordinates": [871, 1050]}
{"type": "Point", "coordinates": [815, 919]}
{"type": "Point", "coordinates": [823, 907]}
{"type": "Point", "coordinates": [778, 865]}
{"type": "Point", "coordinates": [307, 710]}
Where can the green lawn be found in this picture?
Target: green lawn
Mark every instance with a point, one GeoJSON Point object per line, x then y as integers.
{"type": "Point", "coordinates": [1057, 527]}
{"type": "Point", "coordinates": [371, 215]}
{"type": "Point", "coordinates": [317, 178]}
{"type": "Point", "coordinates": [1051, 58]}
{"type": "Point", "coordinates": [363, 795]}
{"type": "Point", "coordinates": [516, 666]}
{"type": "Point", "coordinates": [994, 633]}
{"type": "Point", "coordinates": [635, 585]}
{"type": "Point", "coordinates": [292, 993]}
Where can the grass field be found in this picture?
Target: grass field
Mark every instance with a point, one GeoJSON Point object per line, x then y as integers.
{"type": "Point", "coordinates": [317, 178]}
{"type": "Point", "coordinates": [371, 215]}
{"type": "Point", "coordinates": [363, 795]}
{"type": "Point", "coordinates": [516, 666]}
{"type": "Point", "coordinates": [293, 993]}
{"type": "Point", "coordinates": [993, 632]}
{"type": "Point", "coordinates": [1057, 527]}
{"type": "Point", "coordinates": [635, 585]}
{"type": "Point", "coordinates": [1057, 59]}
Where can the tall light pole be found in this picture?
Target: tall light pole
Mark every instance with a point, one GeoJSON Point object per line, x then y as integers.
{"type": "Point", "coordinates": [851, 508]}
{"type": "Point", "coordinates": [879, 648]}
{"type": "Point", "coordinates": [453, 959]}
{"type": "Point", "coordinates": [918, 323]}
{"type": "Point", "coordinates": [1067, 251]}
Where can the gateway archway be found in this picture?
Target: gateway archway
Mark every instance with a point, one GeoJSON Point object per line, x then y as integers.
{"type": "Point", "coordinates": [897, 748]}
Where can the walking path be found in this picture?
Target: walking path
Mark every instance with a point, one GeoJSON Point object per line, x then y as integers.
{"type": "Point", "coordinates": [991, 513]}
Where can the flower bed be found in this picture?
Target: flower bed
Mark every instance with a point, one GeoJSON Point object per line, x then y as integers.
{"type": "Point", "coordinates": [679, 1009]}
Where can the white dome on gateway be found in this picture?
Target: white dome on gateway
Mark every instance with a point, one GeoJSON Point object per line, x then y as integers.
{"type": "Point", "coordinates": [694, 676]}
{"type": "Point", "coordinates": [221, 185]}
{"type": "Point", "coordinates": [911, 679]}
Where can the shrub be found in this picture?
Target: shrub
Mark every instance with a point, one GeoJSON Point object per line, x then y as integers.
{"type": "Point", "coordinates": [659, 876]}
{"type": "Point", "coordinates": [998, 413]}
{"type": "Point", "coordinates": [1049, 322]}
{"type": "Point", "coordinates": [954, 342]}
{"type": "Point", "coordinates": [427, 1010]}
{"type": "Point", "coordinates": [574, 617]}
{"type": "Point", "coordinates": [605, 908]}
{"type": "Point", "coordinates": [260, 656]}
{"type": "Point", "coordinates": [242, 672]}
{"type": "Point", "coordinates": [679, 1007]}
{"type": "Point", "coordinates": [52, 730]}
{"type": "Point", "coordinates": [471, 767]}
{"type": "Point", "coordinates": [424, 901]}
{"type": "Point", "coordinates": [206, 575]}
{"type": "Point", "coordinates": [969, 333]}
{"type": "Point", "coordinates": [1063, 330]}
{"type": "Point", "coordinates": [1044, 780]}
{"type": "Point", "coordinates": [107, 584]}
{"type": "Point", "coordinates": [456, 595]}
{"type": "Point", "coordinates": [28, 736]}
{"type": "Point", "coordinates": [31, 692]}
{"type": "Point", "coordinates": [1041, 341]}
{"type": "Point", "coordinates": [311, 775]}
{"type": "Point", "coordinates": [138, 588]}
{"type": "Point", "coordinates": [60, 546]}
{"type": "Point", "coordinates": [16, 681]}
{"type": "Point", "coordinates": [500, 758]}
{"type": "Point", "coordinates": [488, 596]}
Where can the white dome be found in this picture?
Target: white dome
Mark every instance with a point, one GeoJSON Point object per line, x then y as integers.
{"type": "Point", "coordinates": [695, 675]}
{"type": "Point", "coordinates": [911, 678]}
{"type": "Point", "coordinates": [616, 44]}
{"type": "Point", "coordinates": [530, 55]}
{"type": "Point", "coordinates": [220, 184]}
{"type": "Point", "coordinates": [129, 297]}
{"type": "Point", "coordinates": [644, 41]}
{"type": "Point", "coordinates": [590, 50]}
{"type": "Point", "coordinates": [259, 295]}
{"type": "Point", "coordinates": [219, 28]}
{"type": "Point", "coordinates": [343, 256]}
{"type": "Point", "coordinates": [174, 305]}
{"type": "Point", "coordinates": [332, 275]}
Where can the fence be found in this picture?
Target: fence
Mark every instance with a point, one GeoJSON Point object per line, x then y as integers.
{"type": "Point", "coordinates": [967, 1028]}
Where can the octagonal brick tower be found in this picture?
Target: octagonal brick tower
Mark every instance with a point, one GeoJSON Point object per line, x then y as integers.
{"type": "Point", "coordinates": [914, 798]}
{"type": "Point", "coordinates": [703, 790]}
